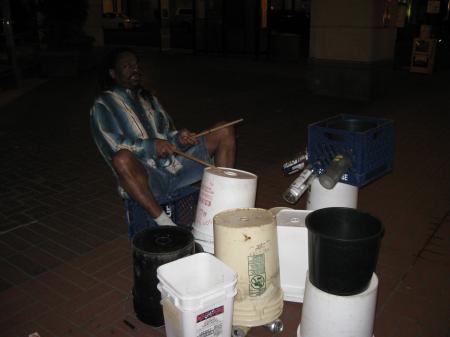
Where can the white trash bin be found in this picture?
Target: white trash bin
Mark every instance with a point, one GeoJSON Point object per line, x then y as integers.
{"type": "Point", "coordinates": [221, 189]}
{"type": "Point", "coordinates": [328, 315]}
{"type": "Point", "coordinates": [293, 252]}
{"type": "Point", "coordinates": [197, 294]}
{"type": "Point", "coordinates": [342, 195]}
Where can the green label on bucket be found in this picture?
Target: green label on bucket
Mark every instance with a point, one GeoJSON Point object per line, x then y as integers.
{"type": "Point", "coordinates": [256, 275]}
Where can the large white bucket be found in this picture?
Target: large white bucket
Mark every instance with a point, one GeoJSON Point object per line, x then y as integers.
{"type": "Point", "coordinates": [342, 195]}
{"type": "Point", "coordinates": [328, 315]}
{"type": "Point", "coordinates": [292, 251]}
{"type": "Point", "coordinates": [246, 240]}
{"type": "Point", "coordinates": [221, 189]}
{"type": "Point", "coordinates": [197, 296]}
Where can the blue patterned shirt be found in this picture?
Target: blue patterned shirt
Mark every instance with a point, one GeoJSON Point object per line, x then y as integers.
{"type": "Point", "coordinates": [121, 121]}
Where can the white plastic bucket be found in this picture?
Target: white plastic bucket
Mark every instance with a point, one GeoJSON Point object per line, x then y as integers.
{"type": "Point", "coordinates": [197, 296]}
{"type": "Point", "coordinates": [221, 189]}
{"type": "Point", "coordinates": [293, 252]}
{"type": "Point", "coordinates": [246, 240]}
{"type": "Point", "coordinates": [342, 195]}
{"type": "Point", "coordinates": [328, 315]}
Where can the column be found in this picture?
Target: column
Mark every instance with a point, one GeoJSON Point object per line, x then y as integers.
{"type": "Point", "coordinates": [351, 47]}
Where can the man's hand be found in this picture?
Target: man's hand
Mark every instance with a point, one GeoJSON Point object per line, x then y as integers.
{"type": "Point", "coordinates": [187, 138]}
{"type": "Point", "coordinates": [164, 148]}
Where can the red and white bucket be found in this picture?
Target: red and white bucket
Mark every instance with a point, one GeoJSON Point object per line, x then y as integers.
{"type": "Point", "coordinates": [221, 189]}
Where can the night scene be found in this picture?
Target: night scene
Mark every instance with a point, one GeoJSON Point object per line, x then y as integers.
{"type": "Point", "coordinates": [224, 168]}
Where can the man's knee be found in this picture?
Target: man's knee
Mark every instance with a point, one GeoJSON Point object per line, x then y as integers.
{"type": "Point", "coordinates": [226, 134]}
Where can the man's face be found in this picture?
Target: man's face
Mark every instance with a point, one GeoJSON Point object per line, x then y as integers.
{"type": "Point", "coordinates": [126, 71]}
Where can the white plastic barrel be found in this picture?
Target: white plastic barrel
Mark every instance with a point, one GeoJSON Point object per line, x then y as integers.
{"type": "Point", "coordinates": [292, 251]}
{"type": "Point", "coordinates": [328, 315]}
{"type": "Point", "coordinates": [342, 195]}
{"type": "Point", "coordinates": [246, 240]}
{"type": "Point", "coordinates": [197, 295]}
{"type": "Point", "coordinates": [221, 189]}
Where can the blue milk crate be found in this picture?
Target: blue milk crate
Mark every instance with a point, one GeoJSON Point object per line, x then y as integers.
{"type": "Point", "coordinates": [368, 141]}
{"type": "Point", "coordinates": [182, 205]}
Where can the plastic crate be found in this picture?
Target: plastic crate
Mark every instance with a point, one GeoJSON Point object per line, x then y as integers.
{"type": "Point", "coordinates": [182, 206]}
{"type": "Point", "coordinates": [368, 141]}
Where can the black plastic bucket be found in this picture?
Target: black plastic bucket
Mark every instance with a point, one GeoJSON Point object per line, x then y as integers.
{"type": "Point", "coordinates": [343, 245]}
{"type": "Point", "coordinates": [152, 248]}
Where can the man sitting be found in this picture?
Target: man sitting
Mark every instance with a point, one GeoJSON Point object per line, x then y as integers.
{"type": "Point", "coordinates": [137, 138]}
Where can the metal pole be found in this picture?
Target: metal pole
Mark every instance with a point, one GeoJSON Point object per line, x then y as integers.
{"type": "Point", "coordinates": [205, 26]}
{"type": "Point", "coordinates": [257, 28]}
{"type": "Point", "coordinates": [224, 28]}
{"type": "Point", "coordinates": [194, 27]}
{"type": "Point", "coordinates": [9, 39]}
{"type": "Point", "coordinates": [269, 28]}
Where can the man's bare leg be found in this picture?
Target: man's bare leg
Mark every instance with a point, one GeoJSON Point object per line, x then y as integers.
{"type": "Point", "coordinates": [221, 145]}
{"type": "Point", "coordinates": [134, 179]}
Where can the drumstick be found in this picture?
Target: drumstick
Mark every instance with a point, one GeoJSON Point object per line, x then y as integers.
{"type": "Point", "coordinates": [218, 128]}
{"type": "Point", "coordinates": [193, 158]}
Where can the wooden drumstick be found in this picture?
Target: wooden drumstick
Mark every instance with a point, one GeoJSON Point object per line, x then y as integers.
{"type": "Point", "coordinates": [193, 158]}
{"type": "Point", "coordinates": [218, 128]}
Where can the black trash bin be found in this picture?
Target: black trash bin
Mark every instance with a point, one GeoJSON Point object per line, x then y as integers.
{"type": "Point", "coordinates": [343, 245]}
{"type": "Point", "coordinates": [152, 248]}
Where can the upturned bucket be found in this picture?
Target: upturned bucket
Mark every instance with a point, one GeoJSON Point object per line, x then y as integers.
{"type": "Point", "coordinates": [221, 189]}
{"type": "Point", "coordinates": [152, 248]}
{"type": "Point", "coordinates": [246, 240]}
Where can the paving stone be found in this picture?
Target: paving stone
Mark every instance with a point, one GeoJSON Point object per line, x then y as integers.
{"type": "Point", "coordinates": [25, 315]}
{"type": "Point", "coordinates": [4, 285]}
{"type": "Point", "coordinates": [76, 276]}
{"type": "Point", "coordinates": [57, 324]}
{"type": "Point", "coordinates": [26, 233]}
{"type": "Point", "coordinates": [116, 267]}
{"type": "Point", "coordinates": [84, 299]}
{"type": "Point", "coordinates": [26, 265]}
{"type": "Point", "coordinates": [11, 273]}
{"type": "Point", "coordinates": [120, 283]}
{"type": "Point", "coordinates": [42, 257]}
{"type": "Point", "coordinates": [8, 226]}
{"type": "Point", "coordinates": [88, 313]}
{"type": "Point", "coordinates": [14, 241]}
{"type": "Point", "coordinates": [105, 319]}
{"type": "Point", "coordinates": [57, 250]}
{"type": "Point", "coordinates": [14, 304]}
{"type": "Point", "coordinates": [25, 329]}
{"type": "Point", "coordinates": [91, 240]}
{"type": "Point", "coordinates": [6, 250]}
{"type": "Point", "coordinates": [63, 286]}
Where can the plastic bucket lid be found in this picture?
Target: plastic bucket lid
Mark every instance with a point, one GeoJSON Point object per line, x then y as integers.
{"type": "Point", "coordinates": [152, 248]}
{"type": "Point", "coordinates": [343, 245]}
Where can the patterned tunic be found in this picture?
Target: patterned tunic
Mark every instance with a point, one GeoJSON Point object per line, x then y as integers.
{"type": "Point", "coordinates": [121, 121]}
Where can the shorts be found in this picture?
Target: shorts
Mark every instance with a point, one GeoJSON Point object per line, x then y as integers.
{"type": "Point", "coordinates": [164, 184]}
{"type": "Point", "coordinates": [167, 187]}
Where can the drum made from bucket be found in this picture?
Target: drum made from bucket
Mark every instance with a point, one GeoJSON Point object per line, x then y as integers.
{"type": "Point", "coordinates": [197, 296]}
{"type": "Point", "coordinates": [221, 189]}
{"type": "Point", "coordinates": [292, 251]}
{"type": "Point", "coordinates": [342, 195]}
{"type": "Point", "coordinates": [246, 240]}
{"type": "Point", "coordinates": [343, 246]}
{"type": "Point", "coordinates": [328, 315]}
{"type": "Point", "coordinates": [152, 248]}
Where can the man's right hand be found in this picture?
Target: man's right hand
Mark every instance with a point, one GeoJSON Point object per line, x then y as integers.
{"type": "Point", "coordinates": [164, 148]}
